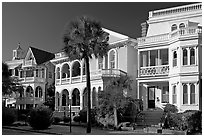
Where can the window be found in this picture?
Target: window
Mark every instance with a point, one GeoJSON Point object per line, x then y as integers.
{"type": "Point", "coordinates": [112, 59]}
{"type": "Point", "coordinates": [174, 101]}
{"type": "Point", "coordinates": [185, 94]}
{"type": "Point", "coordinates": [192, 56]}
{"type": "Point", "coordinates": [165, 94]}
{"type": "Point", "coordinates": [63, 100]}
{"type": "Point", "coordinates": [84, 69]}
{"type": "Point", "coordinates": [29, 73]}
{"type": "Point", "coordinates": [192, 94]}
{"type": "Point", "coordinates": [50, 74]}
{"type": "Point", "coordinates": [94, 97]}
{"type": "Point", "coordinates": [37, 75]}
{"type": "Point", "coordinates": [100, 63]}
{"type": "Point", "coordinates": [76, 97]}
{"type": "Point", "coordinates": [58, 73]}
{"type": "Point", "coordinates": [65, 71]}
{"type": "Point", "coordinates": [21, 74]}
{"type": "Point", "coordinates": [16, 72]}
{"type": "Point", "coordinates": [174, 58]}
{"type": "Point", "coordinates": [173, 27]}
{"type": "Point", "coordinates": [43, 73]}
{"type": "Point", "coordinates": [10, 72]}
{"type": "Point", "coordinates": [182, 25]}
{"type": "Point", "coordinates": [76, 71]}
{"type": "Point", "coordinates": [185, 57]}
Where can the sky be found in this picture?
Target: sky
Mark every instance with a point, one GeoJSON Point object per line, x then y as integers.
{"type": "Point", "coordinates": [41, 24]}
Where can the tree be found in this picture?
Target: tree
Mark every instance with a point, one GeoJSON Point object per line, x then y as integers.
{"type": "Point", "coordinates": [84, 38]}
{"type": "Point", "coordinates": [9, 84]}
{"type": "Point", "coordinates": [113, 96]}
{"type": "Point", "coordinates": [50, 100]}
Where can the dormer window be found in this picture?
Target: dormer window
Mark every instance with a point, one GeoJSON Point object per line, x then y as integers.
{"type": "Point", "coordinates": [173, 27]}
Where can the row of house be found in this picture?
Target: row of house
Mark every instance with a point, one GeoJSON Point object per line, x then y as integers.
{"type": "Point", "coordinates": [165, 65]}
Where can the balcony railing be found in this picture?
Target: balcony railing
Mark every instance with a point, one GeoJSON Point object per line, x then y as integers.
{"type": "Point", "coordinates": [66, 108]}
{"type": "Point", "coordinates": [170, 36]}
{"type": "Point", "coordinates": [28, 100]}
{"type": "Point", "coordinates": [94, 75]}
{"type": "Point", "coordinates": [176, 10]}
{"type": "Point", "coordinates": [154, 70]}
{"type": "Point", "coordinates": [32, 79]}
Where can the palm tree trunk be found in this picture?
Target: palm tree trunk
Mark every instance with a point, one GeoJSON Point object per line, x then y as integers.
{"type": "Point", "coordinates": [88, 85]}
{"type": "Point", "coordinates": [115, 115]}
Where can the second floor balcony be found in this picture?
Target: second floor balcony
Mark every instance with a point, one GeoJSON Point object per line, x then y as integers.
{"type": "Point", "coordinates": [154, 63]}
{"type": "Point", "coordinates": [94, 75]}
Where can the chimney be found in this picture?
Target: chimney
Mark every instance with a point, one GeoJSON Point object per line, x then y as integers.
{"type": "Point", "coordinates": [144, 26]}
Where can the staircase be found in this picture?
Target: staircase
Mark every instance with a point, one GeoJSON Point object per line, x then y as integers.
{"type": "Point", "coordinates": [149, 117]}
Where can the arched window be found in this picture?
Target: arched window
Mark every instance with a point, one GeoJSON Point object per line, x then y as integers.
{"type": "Point", "coordinates": [112, 56]}
{"type": "Point", "coordinates": [100, 63]}
{"type": "Point", "coordinates": [65, 71]}
{"type": "Point", "coordinates": [85, 97]}
{"type": "Point", "coordinates": [38, 92]}
{"type": "Point", "coordinates": [65, 98]}
{"type": "Point", "coordinates": [192, 56]}
{"type": "Point", "coordinates": [173, 27]}
{"type": "Point", "coordinates": [174, 58]}
{"type": "Point", "coordinates": [192, 94]}
{"type": "Point", "coordinates": [94, 97]}
{"type": "Point", "coordinates": [182, 25]}
{"type": "Point", "coordinates": [29, 91]}
{"type": "Point", "coordinates": [16, 72]}
{"type": "Point", "coordinates": [185, 57]}
{"type": "Point", "coordinates": [76, 69]}
{"type": "Point", "coordinates": [75, 97]}
{"type": "Point", "coordinates": [58, 73]}
{"type": "Point", "coordinates": [185, 94]}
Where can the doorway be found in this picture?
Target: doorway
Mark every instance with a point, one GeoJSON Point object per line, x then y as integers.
{"type": "Point", "coordinates": [151, 97]}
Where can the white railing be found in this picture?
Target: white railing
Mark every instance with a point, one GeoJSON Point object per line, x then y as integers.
{"type": "Point", "coordinates": [93, 76]}
{"type": "Point", "coordinates": [169, 36]}
{"type": "Point", "coordinates": [176, 10]}
{"type": "Point", "coordinates": [154, 70]}
{"type": "Point", "coordinates": [32, 79]}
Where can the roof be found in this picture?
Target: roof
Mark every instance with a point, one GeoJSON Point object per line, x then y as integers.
{"type": "Point", "coordinates": [41, 56]}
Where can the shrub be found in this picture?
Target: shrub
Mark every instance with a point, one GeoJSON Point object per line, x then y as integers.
{"type": "Point", "coordinates": [40, 117]}
{"type": "Point", "coordinates": [169, 108]}
{"type": "Point", "coordinates": [76, 119]}
{"type": "Point", "coordinates": [66, 119]}
{"type": "Point", "coordinates": [9, 116]}
{"type": "Point", "coordinates": [83, 116]}
{"type": "Point", "coordinates": [56, 120]}
{"type": "Point", "coordinates": [195, 122]}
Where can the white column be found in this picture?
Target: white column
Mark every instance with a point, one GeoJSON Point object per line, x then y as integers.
{"type": "Point", "coordinates": [196, 55]}
{"type": "Point", "coordinates": [188, 56]}
{"type": "Point", "coordinates": [81, 100]}
{"type": "Point", "coordinates": [158, 59]}
{"type": "Point", "coordinates": [60, 75]}
{"type": "Point", "coordinates": [81, 77]}
{"type": "Point", "coordinates": [188, 87]}
{"type": "Point", "coordinates": [70, 75]}
{"type": "Point", "coordinates": [91, 98]}
{"type": "Point", "coordinates": [179, 94]}
{"type": "Point", "coordinates": [138, 67]}
{"type": "Point", "coordinates": [149, 58]}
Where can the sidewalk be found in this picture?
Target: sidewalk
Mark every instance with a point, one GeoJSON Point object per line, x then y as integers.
{"type": "Point", "coordinates": [76, 130]}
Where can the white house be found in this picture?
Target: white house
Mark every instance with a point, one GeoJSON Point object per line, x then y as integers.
{"type": "Point", "coordinates": [169, 58]}
{"type": "Point", "coordinates": [35, 72]}
{"type": "Point", "coordinates": [70, 78]}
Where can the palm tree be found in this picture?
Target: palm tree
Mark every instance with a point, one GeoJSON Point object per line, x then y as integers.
{"type": "Point", "coordinates": [83, 38]}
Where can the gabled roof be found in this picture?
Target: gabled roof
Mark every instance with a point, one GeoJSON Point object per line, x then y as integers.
{"type": "Point", "coordinates": [41, 56]}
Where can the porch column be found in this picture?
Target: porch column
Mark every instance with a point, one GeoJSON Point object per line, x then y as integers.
{"type": "Point", "coordinates": [60, 75]}
{"type": "Point", "coordinates": [81, 76]}
{"type": "Point", "coordinates": [179, 94]}
{"type": "Point", "coordinates": [81, 100]}
{"type": "Point", "coordinates": [188, 56]}
{"type": "Point", "coordinates": [70, 81]}
{"type": "Point", "coordinates": [159, 59]}
{"type": "Point", "coordinates": [196, 55]}
{"type": "Point", "coordinates": [60, 103]}
{"type": "Point", "coordinates": [91, 98]}
{"type": "Point", "coordinates": [149, 54]}
{"type": "Point", "coordinates": [188, 87]}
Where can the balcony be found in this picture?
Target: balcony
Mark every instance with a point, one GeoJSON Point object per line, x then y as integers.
{"type": "Point", "coordinates": [154, 70]}
{"type": "Point", "coordinates": [32, 79]}
{"type": "Point", "coordinates": [28, 100]}
{"type": "Point", "coordinates": [66, 108]}
{"type": "Point", "coordinates": [94, 76]}
{"type": "Point", "coordinates": [177, 34]}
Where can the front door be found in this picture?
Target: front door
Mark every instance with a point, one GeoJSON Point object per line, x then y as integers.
{"type": "Point", "coordinates": [151, 97]}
